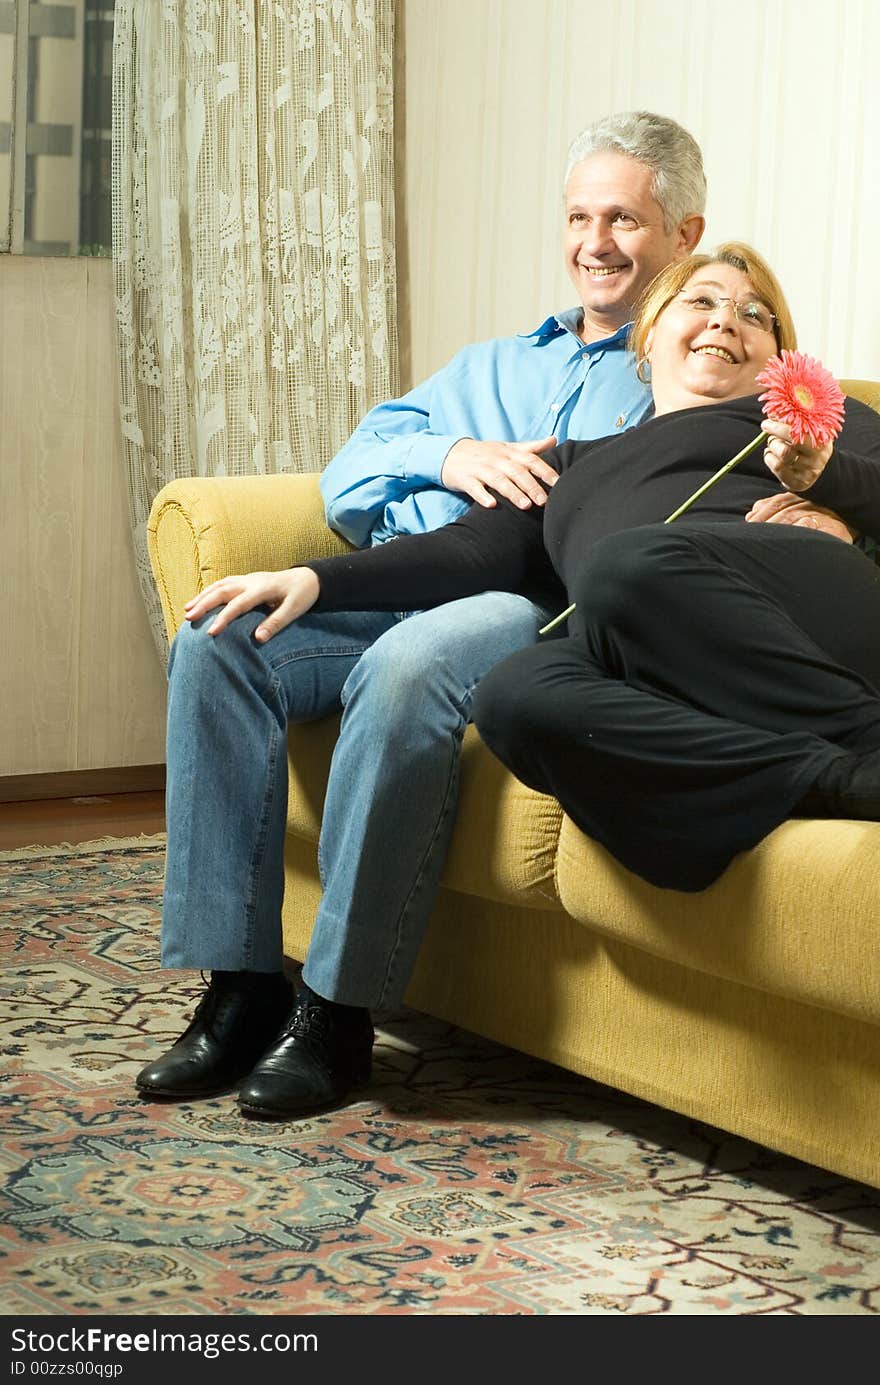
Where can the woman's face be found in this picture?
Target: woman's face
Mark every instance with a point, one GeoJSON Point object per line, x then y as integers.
{"type": "Point", "coordinates": [701, 350]}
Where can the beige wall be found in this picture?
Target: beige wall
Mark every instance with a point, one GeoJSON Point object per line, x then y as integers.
{"type": "Point", "coordinates": [781, 94]}
{"type": "Point", "coordinates": [81, 684]}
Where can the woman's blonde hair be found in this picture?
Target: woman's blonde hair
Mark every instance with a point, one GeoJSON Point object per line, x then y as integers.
{"type": "Point", "coordinates": [671, 280]}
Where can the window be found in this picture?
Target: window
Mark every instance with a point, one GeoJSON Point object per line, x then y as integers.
{"type": "Point", "coordinates": [56, 65]}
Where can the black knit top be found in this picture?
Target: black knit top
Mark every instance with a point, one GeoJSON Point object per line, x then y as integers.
{"type": "Point", "coordinates": [633, 478]}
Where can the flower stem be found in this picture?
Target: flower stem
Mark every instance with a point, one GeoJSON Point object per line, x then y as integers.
{"type": "Point", "coordinates": [722, 471]}
{"type": "Point", "coordinates": [557, 620]}
{"type": "Point", "coordinates": [707, 485]}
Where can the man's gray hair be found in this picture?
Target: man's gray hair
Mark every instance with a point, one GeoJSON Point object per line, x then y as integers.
{"type": "Point", "coordinates": [672, 155]}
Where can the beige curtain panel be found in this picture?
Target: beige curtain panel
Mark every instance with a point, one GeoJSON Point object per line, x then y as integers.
{"type": "Point", "coordinates": [253, 236]}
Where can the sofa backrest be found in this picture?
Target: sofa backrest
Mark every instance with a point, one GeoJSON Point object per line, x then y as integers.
{"type": "Point", "coordinates": [866, 390]}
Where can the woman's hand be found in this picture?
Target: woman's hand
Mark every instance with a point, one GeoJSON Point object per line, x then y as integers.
{"type": "Point", "coordinates": [289, 593]}
{"type": "Point", "coordinates": [797, 465]}
{"type": "Point", "coordinates": [786, 508]}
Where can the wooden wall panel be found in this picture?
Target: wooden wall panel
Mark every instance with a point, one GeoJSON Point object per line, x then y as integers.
{"type": "Point", "coordinates": [81, 686]}
{"type": "Point", "coordinates": [124, 687]}
{"type": "Point", "coordinates": [781, 94]}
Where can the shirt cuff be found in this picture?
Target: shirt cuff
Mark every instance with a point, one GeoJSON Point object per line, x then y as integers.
{"type": "Point", "coordinates": [427, 455]}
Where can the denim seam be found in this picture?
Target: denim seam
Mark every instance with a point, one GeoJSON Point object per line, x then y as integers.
{"type": "Point", "coordinates": [442, 818]}
{"type": "Point", "coordinates": [258, 858]}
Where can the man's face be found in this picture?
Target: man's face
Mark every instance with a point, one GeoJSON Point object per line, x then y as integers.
{"type": "Point", "coordinates": [615, 240]}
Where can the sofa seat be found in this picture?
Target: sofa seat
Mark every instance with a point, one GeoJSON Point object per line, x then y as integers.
{"type": "Point", "coordinates": [505, 837]}
{"type": "Point", "coordinates": [761, 924]}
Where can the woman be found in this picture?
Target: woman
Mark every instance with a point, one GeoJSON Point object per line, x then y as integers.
{"type": "Point", "coordinates": [716, 678]}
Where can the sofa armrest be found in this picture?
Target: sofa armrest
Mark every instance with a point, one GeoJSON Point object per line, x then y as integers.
{"type": "Point", "coordinates": [204, 527]}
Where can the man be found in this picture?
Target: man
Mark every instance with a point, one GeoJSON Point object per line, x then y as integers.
{"type": "Point", "coordinates": [634, 200]}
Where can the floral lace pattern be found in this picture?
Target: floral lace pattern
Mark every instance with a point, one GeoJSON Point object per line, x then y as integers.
{"type": "Point", "coordinates": [253, 236]}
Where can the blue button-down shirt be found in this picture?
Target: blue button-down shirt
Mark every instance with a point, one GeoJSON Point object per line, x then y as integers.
{"type": "Point", "coordinates": [385, 481]}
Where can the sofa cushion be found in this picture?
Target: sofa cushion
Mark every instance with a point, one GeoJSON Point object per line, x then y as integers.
{"type": "Point", "coordinates": [505, 837]}
{"type": "Point", "coordinates": [798, 916]}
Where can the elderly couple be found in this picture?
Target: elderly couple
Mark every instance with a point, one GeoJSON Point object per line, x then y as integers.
{"type": "Point", "coordinates": [713, 680]}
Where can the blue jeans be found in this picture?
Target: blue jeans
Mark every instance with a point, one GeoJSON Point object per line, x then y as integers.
{"type": "Point", "coordinates": [406, 685]}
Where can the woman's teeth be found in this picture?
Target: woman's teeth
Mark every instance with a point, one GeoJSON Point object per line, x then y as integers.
{"type": "Point", "coordinates": [715, 351]}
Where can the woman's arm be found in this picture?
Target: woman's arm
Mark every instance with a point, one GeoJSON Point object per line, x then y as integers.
{"type": "Point", "coordinates": [498, 549]}
{"type": "Point", "coordinates": [849, 484]}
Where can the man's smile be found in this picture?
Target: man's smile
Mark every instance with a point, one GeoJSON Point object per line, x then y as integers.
{"type": "Point", "coordinates": [603, 271]}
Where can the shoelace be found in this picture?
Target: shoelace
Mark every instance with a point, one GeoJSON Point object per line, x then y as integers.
{"type": "Point", "coordinates": [307, 1022]}
{"type": "Point", "coordinates": [209, 1009]}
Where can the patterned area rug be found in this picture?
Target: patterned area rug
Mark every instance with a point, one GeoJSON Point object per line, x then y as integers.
{"type": "Point", "coordinates": [470, 1179]}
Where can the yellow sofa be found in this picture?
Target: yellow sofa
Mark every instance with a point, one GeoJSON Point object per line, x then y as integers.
{"type": "Point", "coordinates": [753, 1006]}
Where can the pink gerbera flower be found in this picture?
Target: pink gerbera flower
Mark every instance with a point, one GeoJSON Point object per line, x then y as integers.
{"type": "Point", "coordinates": [801, 393]}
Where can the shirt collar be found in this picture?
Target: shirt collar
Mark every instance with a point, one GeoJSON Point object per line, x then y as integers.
{"type": "Point", "coordinates": [570, 321]}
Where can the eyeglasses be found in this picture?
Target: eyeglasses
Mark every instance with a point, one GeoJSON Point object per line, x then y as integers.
{"type": "Point", "coordinates": [751, 313]}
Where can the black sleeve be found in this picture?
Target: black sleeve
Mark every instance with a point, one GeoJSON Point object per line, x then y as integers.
{"type": "Point", "coordinates": [500, 549]}
{"type": "Point", "coordinates": [850, 483]}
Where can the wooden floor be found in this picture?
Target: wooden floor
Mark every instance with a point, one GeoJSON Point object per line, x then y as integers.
{"type": "Point", "coordinates": [50, 821]}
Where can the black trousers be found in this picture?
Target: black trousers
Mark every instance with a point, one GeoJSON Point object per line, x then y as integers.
{"type": "Point", "coordinates": [711, 672]}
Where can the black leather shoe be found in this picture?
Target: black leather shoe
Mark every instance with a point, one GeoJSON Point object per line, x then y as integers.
{"type": "Point", "coordinates": [324, 1052]}
{"type": "Point", "coordinates": [235, 1021]}
{"type": "Point", "coordinates": [849, 787]}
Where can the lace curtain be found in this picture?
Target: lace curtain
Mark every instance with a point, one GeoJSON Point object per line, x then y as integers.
{"type": "Point", "coordinates": [253, 236]}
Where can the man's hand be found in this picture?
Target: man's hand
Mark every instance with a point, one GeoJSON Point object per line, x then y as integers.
{"type": "Point", "coordinates": [786, 508]}
{"type": "Point", "coordinates": [510, 468]}
{"type": "Point", "coordinates": [289, 593]}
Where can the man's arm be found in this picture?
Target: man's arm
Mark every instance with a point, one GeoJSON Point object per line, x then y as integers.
{"type": "Point", "coordinates": [392, 453]}
{"type": "Point", "coordinates": [402, 452]}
